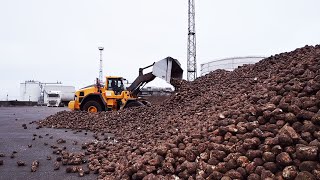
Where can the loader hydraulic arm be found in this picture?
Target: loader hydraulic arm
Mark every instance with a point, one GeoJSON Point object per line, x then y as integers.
{"type": "Point", "coordinates": [166, 69]}
{"type": "Point", "coordinates": [139, 82]}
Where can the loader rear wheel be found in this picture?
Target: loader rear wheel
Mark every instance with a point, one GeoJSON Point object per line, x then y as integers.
{"type": "Point", "coordinates": [92, 106]}
{"type": "Point", "coordinates": [133, 104]}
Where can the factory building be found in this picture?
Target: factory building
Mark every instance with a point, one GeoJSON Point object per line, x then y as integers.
{"type": "Point", "coordinates": [155, 91]}
{"type": "Point", "coordinates": [36, 91]}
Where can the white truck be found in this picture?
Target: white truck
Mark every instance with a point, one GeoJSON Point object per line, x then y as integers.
{"type": "Point", "coordinates": [54, 99]}
{"type": "Point", "coordinates": [58, 95]}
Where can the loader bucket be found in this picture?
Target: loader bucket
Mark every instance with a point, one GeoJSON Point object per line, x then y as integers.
{"type": "Point", "coordinates": [167, 69]}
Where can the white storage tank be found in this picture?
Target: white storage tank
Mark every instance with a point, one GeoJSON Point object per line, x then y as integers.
{"type": "Point", "coordinates": [30, 91]}
{"type": "Point", "coordinates": [228, 64]}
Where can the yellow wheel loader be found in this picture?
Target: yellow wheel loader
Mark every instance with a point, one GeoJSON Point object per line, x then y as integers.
{"type": "Point", "coordinates": [114, 96]}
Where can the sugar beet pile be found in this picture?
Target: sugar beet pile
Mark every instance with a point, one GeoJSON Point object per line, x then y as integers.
{"type": "Point", "coordinates": [260, 121]}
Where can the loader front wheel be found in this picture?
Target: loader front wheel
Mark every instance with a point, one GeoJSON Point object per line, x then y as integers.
{"type": "Point", "coordinates": [92, 106]}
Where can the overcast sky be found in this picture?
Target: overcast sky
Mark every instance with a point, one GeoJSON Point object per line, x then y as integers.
{"type": "Point", "coordinates": [58, 40]}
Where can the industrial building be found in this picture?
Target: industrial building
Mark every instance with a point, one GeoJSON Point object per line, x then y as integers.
{"type": "Point", "coordinates": [36, 91]}
{"type": "Point", "coordinates": [155, 91]}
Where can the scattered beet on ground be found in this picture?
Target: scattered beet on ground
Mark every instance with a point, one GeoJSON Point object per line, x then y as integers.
{"type": "Point", "coordinates": [260, 121]}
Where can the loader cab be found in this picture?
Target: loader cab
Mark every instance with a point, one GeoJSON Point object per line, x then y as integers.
{"type": "Point", "coordinates": [115, 84]}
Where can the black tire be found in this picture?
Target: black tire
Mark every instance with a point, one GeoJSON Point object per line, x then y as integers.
{"type": "Point", "coordinates": [90, 105]}
{"type": "Point", "coordinates": [133, 104]}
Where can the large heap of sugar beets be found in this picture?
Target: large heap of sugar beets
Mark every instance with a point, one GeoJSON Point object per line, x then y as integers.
{"type": "Point", "coordinates": [260, 121]}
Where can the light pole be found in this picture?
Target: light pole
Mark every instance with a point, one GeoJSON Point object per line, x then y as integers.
{"type": "Point", "coordinates": [100, 67]}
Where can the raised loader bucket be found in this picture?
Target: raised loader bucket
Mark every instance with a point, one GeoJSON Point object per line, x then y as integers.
{"type": "Point", "coordinates": [167, 69]}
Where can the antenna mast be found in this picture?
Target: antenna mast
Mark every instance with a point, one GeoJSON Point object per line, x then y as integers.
{"type": "Point", "coordinates": [192, 63]}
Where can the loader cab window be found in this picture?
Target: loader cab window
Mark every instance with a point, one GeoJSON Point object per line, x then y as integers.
{"type": "Point", "coordinates": [115, 85]}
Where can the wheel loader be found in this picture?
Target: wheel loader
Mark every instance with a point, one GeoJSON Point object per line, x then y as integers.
{"type": "Point", "coordinates": [114, 96]}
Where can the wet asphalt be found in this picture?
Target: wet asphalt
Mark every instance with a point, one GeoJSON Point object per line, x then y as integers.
{"type": "Point", "coordinates": [13, 137]}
